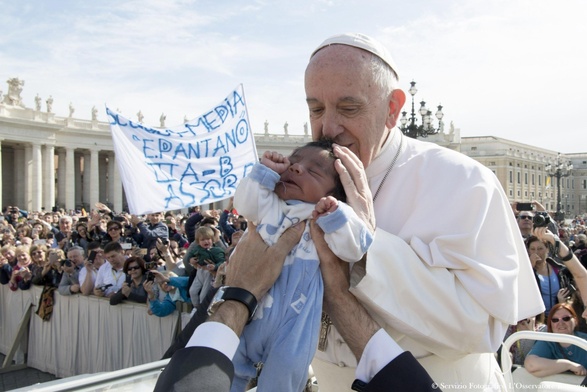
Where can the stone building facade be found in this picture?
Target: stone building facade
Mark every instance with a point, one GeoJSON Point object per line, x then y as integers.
{"type": "Point", "coordinates": [52, 161]}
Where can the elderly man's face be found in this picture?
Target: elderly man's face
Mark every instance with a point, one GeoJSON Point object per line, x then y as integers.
{"type": "Point", "coordinates": [346, 104]}
{"type": "Point", "coordinates": [76, 256]}
{"type": "Point", "coordinates": [65, 226]}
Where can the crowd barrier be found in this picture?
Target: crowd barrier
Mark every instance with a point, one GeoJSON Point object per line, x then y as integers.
{"type": "Point", "coordinates": [84, 334]}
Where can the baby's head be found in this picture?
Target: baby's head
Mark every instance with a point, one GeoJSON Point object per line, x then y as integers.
{"type": "Point", "coordinates": [311, 175]}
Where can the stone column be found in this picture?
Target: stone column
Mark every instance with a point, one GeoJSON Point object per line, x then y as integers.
{"type": "Point", "coordinates": [19, 177]}
{"type": "Point", "coordinates": [61, 178]}
{"type": "Point", "coordinates": [77, 173]}
{"type": "Point", "coordinates": [104, 195]}
{"type": "Point", "coordinates": [27, 202]}
{"type": "Point", "coordinates": [114, 183]}
{"type": "Point", "coordinates": [87, 179]}
{"type": "Point", "coordinates": [69, 179]}
{"type": "Point", "coordinates": [94, 179]}
{"type": "Point", "coordinates": [48, 177]}
{"type": "Point", "coordinates": [37, 177]}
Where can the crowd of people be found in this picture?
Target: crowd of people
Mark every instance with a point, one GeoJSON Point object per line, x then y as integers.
{"type": "Point", "coordinates": [161, 259]}
{"type": "Point", "coordinates": [558, 255]}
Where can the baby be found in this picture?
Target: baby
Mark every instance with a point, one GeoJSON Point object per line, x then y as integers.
{"type": "Point", "coordinates": [279, 192]}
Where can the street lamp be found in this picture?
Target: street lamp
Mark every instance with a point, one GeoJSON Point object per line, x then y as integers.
{"type": "Point", "coordinates": [408, 125]}
{"type": "Point", "coordinates": [559, 169]}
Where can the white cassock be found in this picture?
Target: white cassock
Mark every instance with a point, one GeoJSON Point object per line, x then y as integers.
{"type": "Point", "coordinates": [447, 272]}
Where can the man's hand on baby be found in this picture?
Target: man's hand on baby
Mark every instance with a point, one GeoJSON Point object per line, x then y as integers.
{"type": "Point", "coordinates": [275, 161]}
{"type": "Point", "coordinates": [325, 206]}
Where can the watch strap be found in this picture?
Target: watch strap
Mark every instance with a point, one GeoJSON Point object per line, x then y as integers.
{"type": "Point", "coordinates": [243, 296]}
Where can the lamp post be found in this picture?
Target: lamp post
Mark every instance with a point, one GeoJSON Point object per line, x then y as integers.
{"type": "Point", "coordinates": [409, 126]}
{"type": "Point", "coordinates": [559, 169]}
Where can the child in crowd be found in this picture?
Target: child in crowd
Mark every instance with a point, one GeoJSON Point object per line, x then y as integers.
{"type": "Point", "coordinates": [207, 254]}
{"type": "Point", "coordinates": [279, 192]}
{"type": "Point", "coordinates": [162, 303]}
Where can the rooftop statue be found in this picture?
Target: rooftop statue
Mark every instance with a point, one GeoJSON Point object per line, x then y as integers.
{"type": "Point", "coordinates": [13, 97]}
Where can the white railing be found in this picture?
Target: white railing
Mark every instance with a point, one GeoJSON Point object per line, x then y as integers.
{"type": "Point", "coordinates": [85, 334]}
{"type": "Point", "coordinates": [521, 380]}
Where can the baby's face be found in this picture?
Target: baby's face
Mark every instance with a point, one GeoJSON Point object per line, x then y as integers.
{"type": "Point", "coordinates": [309, 177]}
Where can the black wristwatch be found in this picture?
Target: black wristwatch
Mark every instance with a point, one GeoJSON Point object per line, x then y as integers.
{"type": "Point", "coordinates": [226, 293]}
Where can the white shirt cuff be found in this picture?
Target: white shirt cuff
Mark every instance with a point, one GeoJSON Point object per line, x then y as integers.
{"type": "Point", "coordinates": [217, 336]}
{"type": "Point", "coordinates": [374, 358]}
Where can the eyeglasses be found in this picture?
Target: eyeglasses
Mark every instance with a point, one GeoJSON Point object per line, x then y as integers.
{"type": "Point", "coordinates": [525, 217]}
{"type": "Point", "coordinates": [565, 319]}
{"type": "Point", "coordinates": [136, 267]}
{"type": "Point", "coordinates": [114, 228]}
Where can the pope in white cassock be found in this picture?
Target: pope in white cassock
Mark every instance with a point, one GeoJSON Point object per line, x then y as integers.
{"type": "Point", "coordinates": [448, 271]}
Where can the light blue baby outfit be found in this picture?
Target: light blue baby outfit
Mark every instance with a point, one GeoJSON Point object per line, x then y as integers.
{"type": "Point", "coordinates": [284, 332]}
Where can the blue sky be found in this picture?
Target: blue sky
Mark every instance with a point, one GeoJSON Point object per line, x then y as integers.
{"type": "Point", "coordinates": [514, 69]}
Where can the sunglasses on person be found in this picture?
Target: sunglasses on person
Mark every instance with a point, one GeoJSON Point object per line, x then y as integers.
{"type": "Point", "coordinates": [114, 228]}
{"type": "Point", "coordinates": [526, 217]}
{"type": "Point", "coordinates": [566, 319]}
{"type": "Point", "coordinates": [135, 267]}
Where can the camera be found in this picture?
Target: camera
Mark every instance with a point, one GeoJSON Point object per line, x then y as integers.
{"type": "Point", "coordinates": [104, 287]}
{"type": "Point", "coordinates": [165, 241]}
{"type": "Point", "coordinates": [566, 282]}
{"type": "Point", "coordinates": [541, 219]}
{"type": "Point", "coordinates": [150, 276]}
{"type": "Point", "coordinates": [66, 263]}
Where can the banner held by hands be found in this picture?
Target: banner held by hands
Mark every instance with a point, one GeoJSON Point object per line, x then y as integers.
{"type": "Point", "coordinates": [199, 162]}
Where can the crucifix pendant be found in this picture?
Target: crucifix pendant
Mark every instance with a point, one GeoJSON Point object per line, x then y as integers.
{"type": "Point", "coordinates": [325, 324]}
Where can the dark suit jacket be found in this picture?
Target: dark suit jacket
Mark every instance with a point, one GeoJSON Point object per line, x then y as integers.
{"type": "Point", "coordinates": [404, 373]}
{"type": "Point", "coordinates": [207, 370]}
{"type": "Point", "coordinates": [196, 369]}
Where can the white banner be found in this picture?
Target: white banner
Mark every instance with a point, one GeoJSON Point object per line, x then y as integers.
{"type": "Point", "coordinates": [195, 163]}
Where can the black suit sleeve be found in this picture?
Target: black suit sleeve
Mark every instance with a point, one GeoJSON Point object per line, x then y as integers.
{"type": "Point", "coordinates": [199, 369]}
{"type": "Point", "coordinates": [404, 373]}
{"type": "Point", "coordinates": [198, 318]}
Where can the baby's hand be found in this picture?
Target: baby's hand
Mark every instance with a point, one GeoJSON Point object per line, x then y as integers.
{"type": "Point", "coordinates": [326, 205]}
{"type": "Point", "coordinates": [275, 161]}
